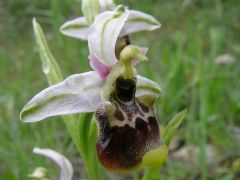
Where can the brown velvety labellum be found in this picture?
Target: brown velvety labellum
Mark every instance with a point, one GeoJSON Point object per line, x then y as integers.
{"type": "Point", "coordinates": [121, 148]}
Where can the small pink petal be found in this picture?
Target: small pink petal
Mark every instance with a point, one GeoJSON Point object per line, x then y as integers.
{"type": "Point", "coordinates": [98, 66]}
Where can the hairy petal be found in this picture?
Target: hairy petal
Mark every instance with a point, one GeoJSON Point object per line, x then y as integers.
{"type": "Point", "coordinates": [77, 28]}
{"type": "Point", "coordinates": [139, 21]}
{"type": "Point", "coordinates": [103, 35]}
{"type": "Point", "coordinates": [147, 86]}
{"type": "Point", "coordinates": [66, 169]}
{"type": "Point", "coordinates": [77, 93]}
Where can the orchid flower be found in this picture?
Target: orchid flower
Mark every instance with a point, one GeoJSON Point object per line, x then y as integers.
{"type": "Point", "coordinates": [119, 96]}
{"type": "Point", "coordinates": [84, 92]}
{"type": "Point", "coordinates": [66, 169]}
{"type": "Point", "coordinates": [135, 21]}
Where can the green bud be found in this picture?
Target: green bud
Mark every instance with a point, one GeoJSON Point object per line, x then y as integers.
{"type": "Point", "coordinates": [38, 173]}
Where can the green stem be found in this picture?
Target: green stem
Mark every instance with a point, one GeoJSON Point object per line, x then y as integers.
{"type": "Point", "coordinates": [87, 142]}
{"type": "Point", "coordinates": [152, 173]}
{"type": "Point", "coordinates": [72, 127]}
{"type": "Point", "coordinates": [94, 166]}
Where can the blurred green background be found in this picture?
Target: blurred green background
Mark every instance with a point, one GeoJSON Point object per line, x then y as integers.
{"type": "Point", "coordinates": [194, 57]}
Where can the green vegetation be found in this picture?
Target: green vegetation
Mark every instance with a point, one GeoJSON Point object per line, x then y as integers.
{"type": "Point", "coordinates": [184, 59]}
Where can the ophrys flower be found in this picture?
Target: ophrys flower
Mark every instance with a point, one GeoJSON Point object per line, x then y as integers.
{"type": "Point", "coordinates": [83, 92]}
{"type": "Point", "coordinates": [123, 101]}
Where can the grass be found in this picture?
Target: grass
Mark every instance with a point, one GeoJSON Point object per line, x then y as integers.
{"type": "Point", "coordinates": [182, 54]}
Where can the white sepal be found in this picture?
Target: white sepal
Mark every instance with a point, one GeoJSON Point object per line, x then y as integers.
{"type": "Point", "coordinates": [77, 28]}
{"type": "Point", "coordinates": [77, 93]}
{"type": "Point", "coordinates": [139, 21]}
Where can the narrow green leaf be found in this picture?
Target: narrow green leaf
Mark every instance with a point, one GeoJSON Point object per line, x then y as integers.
{"type": "Point", "coordinates": [172, 126]}
{"type": "Point", "coordinates": [78, 129]}
{"type": "Point", "coordinates": [87, 138]}
{"type": "Point", "coordinates": [52, 71]}
{"type": "Point", "coordinates": [94, 165]}
{"type": "Point", "coordinates": [84, 126]}
{"type": "Point", "coordinates": [152, 173]}
{"type": "Point", "coordinates": [49, 64]}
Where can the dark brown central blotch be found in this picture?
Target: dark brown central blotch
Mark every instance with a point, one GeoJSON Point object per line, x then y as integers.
{"type": "Point", "coordinates": [125, 89]}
